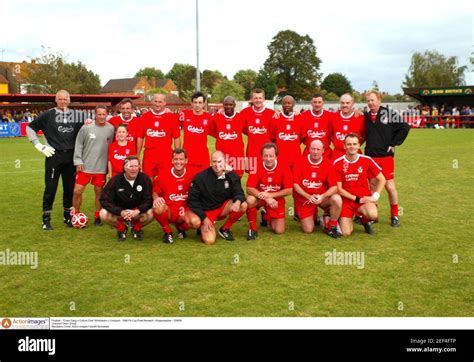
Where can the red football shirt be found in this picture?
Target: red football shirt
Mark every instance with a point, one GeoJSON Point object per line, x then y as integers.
{"type": "Point", "coordinates": [342, 126]}
{"type": "Point", "coordinates": [174, 189]}
{"type": "Point", "coordinates": [196, 128]}
{"type": "Point", "coordinates": [316, 127]}
{"type": "Point", "coordinates": [118, 153]}
{"type": "Point", "coordinates": [314, 178]}
{"type": "Point", "coordinates": [354, 175]}
{"type": "Point", "coordinates": [158, 131]}
{"type": "Point", "coordinates": [228, 134]}
{"type": "Point", "coordinates": [274, 180]}
{"type": "Point", "coordinates": [257, 128]}
{"type": "Point", "coordinates": [286, 131]}
{"type": "Point", "coordinates": [133, 126]}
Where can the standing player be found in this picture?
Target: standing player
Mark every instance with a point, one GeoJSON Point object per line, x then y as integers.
{"type": "Point", "coordinates": [170, 193]}
{"type": "Point", "coordinates": [353, 171]}
{"type": "Point", "coordinates": [314, 185]}
{"type": "Point", "coordinates": [385, 129]}
{"type": "Point", "coordinates": [126, 200]}
{"type": "Point", "coordinates": [60, 129]}
{"type": "Point", "coordinates": [257, 119]}
{"type": "Point", "coordinates": [227, 129]}
{"type": "Point", "coordinates": [267, 187]}
{"type": "Point", "coordinates": [285, 132]}
{"type": "Point", "coordinates": [119, 150]}
{"type": "Point", "coordinates": [90, 159]}
{"type": "Point", "coordinates": [344, 122]}
{"type": "Point", "coordinates": [159, 130]}
{"type": "Point", "coordinates": [196, 125]}
{"type": "Point", "coordinates": [213, 195]}
{"type": "Point", "coordinates": [317, 125]}
{"type": "Point", "coordinates": [128, 118]}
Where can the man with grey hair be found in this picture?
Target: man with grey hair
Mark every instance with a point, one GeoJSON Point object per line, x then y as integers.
{"type": "Point", "coordinates": [60, 128]}
{"type": "Point", "coordinates": [286, 132]}
{"type": "Point", "coordinates": [227, 129]}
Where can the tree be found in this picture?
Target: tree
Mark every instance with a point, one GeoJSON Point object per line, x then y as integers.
{"type": "Point", "coordinates": [211, 78]}
{"type": "Point", "coordinates": [150, 72]}
{"type": "Point", "coordinates": [433, 69]}
{"type": "Point", "coordinates": [294, 62]}
{"type": "Point", "coordinates": [227, 88]}
{"type": "Point", "coordinates": [266, 80]}
{"type": "Point", "coordinates": [183, 75]}
{"type": "Point", "coordinates": [336, 83]}
{"type": "Point", "coordinates": [51, 72]}
{"type": "Point", "coordinates": [246, 78]}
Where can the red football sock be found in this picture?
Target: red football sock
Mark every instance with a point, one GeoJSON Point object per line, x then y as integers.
{"type": "Point", "coordinates": [137, 225]}
{"type": "Point", "coordinates": [183, 226]}
{"type": "Point", "coordinates": [365, 220]}
{"type": "Point", "coordinates": [252, 217]}
{"type": "Point", "coordinates": [394, 210]}
{"type": "Point", "coordinates": [233, 217]}
{"type": "Point", "coordinates": [120, 225]}
{"type": "Point", "coordinates": [96, 214]}
{"type": "Point", "coordinates": [332, 223]}
{"type": "Point", "coordinates": [163, 220]}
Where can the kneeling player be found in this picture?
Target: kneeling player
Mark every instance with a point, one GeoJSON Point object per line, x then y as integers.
{"type": "Point", "coordinates": [267, 187]}
{"type": "Point", "coordinates": [314, 185]}
{"type": "Point", "coordinates": [170, 193]}
{"type": "Point", "coordinates": [213, 195]}
{"type": "Point", "coordinates": [352, 172]}
{"type": "Point", "coordinates": [126, 200]}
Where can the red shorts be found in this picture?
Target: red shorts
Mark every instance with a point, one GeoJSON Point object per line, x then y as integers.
{"type": "Point", "coordinates": [387, 164]}
{"type": "Point", "coordinates": [349, 208]}
{"type": "Point", "coordinates": [176, 214]}
{"type": "Point", "coordinates": [278, 213]}
{"type": "Point", "coordinates": [197, 168]}
{"type": "Point", "coordinates": [96, 179]}
{"type": "Point", "coordinates": [152, 163]}
{"type": "Point", "coordinates": [306, 210]}
{"type": "Point", "coordinates": [216, 214]}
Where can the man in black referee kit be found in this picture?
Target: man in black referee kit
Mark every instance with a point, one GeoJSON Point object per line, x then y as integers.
{"type": "Point", "coordinates": [60, 129]}
{"type": "Point", "coordinates": [213, 195]}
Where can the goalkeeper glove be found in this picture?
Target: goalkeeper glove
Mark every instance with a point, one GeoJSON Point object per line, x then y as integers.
{"type": "Point", "coordinates": [45, 149]}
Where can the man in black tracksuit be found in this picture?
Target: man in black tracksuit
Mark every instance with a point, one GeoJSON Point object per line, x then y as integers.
{"type": "Point", "coordinates": [384, 130]}
{"type": "Point", "coordinates": [213, 195]}
{"type": "Point", "coordinates": [60, 127]}
{"type": "Point", "coordinates": [127, 200]}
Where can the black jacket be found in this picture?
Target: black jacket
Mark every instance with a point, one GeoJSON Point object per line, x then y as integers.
{"type": "Point", "coordinates": [207, 192]}
{"type": "Point", "coordinates": [118, 194]}
{"type": "Point", "coordinates": [388, 130]}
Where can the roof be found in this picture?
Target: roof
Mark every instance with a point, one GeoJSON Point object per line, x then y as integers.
{"type": "Point", "coordinates": [160, 83]}
{"type": "Point", "coordinates": [120, 85]}
{"type": "Point", "coordinates": [3, 79]}
{"type": "Point", "coordinates": [171, 98]}
{"type": "Point", "coordinates": [49, 98]}
{"type": "Point", "coordinates": [441, 94]}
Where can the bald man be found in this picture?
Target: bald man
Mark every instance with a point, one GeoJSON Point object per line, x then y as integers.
{"type": "Point", "coordinates": [227, 129]}
{"type": "Point", "coordinates": [213, 195]}
{"type": "Point", "coordinates": [344, 122]}
{"type": "Point", "coordinates": [315, 185]}
{"type": "Point", "coordinates": [159, 131]}
{"type": "Point", "coordinates": [285, 132]}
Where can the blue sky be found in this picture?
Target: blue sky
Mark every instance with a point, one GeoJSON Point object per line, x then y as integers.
{"type": "Point", "coordinates": [365, 40]}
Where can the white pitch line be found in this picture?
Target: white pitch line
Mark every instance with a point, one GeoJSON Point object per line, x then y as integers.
{"type": "Point", "coordinates": [1, 173]}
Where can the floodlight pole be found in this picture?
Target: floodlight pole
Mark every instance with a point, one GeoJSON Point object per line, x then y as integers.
{"type": "Point", "coordinates": [198, 73]}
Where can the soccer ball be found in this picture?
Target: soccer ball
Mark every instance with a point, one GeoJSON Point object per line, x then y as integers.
{"type": "Point", "coordinates": [79, 220]}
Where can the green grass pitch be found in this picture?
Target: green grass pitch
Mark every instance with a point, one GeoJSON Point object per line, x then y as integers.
{"type": "Point", "coordinates": [424, 268]}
